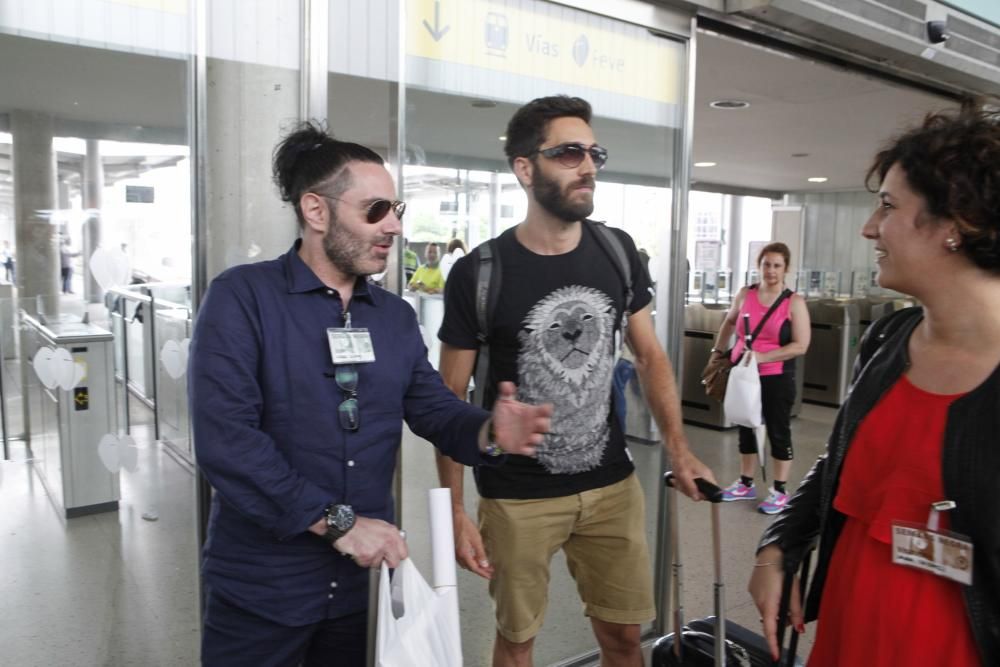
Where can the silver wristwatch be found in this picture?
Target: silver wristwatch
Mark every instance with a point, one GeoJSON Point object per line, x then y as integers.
{"type": "Point", "coordinates": [339, 520]}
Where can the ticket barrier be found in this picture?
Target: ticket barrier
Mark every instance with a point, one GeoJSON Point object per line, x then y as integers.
{"type": "Point", "coordinates": [72, 413]}
{"type": "Point", "coordinates": [872, 308]}
{"type": "Point", "coordinates": [8, 328]}
{"type": "Point", "coordinates": [701, 325]}
{"type": "Point", "coordinates": [834, 345]}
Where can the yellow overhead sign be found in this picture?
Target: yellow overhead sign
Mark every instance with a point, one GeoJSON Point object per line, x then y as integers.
{"type": "Point", "coordinates": [555, 43]}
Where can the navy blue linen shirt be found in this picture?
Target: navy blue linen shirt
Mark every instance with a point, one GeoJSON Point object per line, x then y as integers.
{"type": "Point", "coordinates": [267, 436]}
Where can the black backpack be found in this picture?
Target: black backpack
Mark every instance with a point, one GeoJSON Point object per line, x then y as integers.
{"type": "Point", "coordinates": [488, 281]}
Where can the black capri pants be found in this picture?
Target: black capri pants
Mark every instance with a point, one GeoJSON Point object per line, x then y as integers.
{"type": "Point", "coordinates": [777, 394]}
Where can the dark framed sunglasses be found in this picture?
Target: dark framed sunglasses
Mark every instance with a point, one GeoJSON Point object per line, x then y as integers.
{"type": "Point", "coordinates": [348, 412]}
{"type": "Point", "coordinates": [572, 154]}
{"type": "Point", "coordinates": [379, 208]}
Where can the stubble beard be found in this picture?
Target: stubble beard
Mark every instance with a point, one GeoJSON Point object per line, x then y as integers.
{"type": "Point", "coordinates": [346, 251]}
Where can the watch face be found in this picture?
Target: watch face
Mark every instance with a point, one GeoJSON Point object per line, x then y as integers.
{"type": "Point", "coordinates": [341, 518]}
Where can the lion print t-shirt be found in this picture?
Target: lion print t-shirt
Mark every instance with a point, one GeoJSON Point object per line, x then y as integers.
{"type": "Point", "coordinates": [553, 334]}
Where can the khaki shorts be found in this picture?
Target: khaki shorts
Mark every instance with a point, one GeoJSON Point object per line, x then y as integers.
{"type": "Point", "coordinates": [602, 531]}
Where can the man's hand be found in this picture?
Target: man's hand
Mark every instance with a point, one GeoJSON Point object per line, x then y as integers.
{"type": "Point", "coordinates": [687, 467]}
{"type": "Point", "coordinates": [518, 427]}
{"type": "Point", "coordinates": [371, 541]}
{"type": "Point", "coordinates": [469, 550]}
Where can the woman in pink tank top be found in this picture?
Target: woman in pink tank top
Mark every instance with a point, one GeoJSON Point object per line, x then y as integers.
{"type": "Point", "coordinates": [784, 336]}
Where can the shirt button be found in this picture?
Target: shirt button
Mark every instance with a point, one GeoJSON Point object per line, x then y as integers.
{"type": "Point", "coordinates": [330, 596]}
{"type": "Point", "coordinates": [350, 464]}
{"type": "Point", "coordinates": [333, 584]}
{"type": "Point", "coordinates": [330, 292]}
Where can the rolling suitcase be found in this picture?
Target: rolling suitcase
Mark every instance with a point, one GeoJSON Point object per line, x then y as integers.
{"type": "Point", "coordinates": [697, 644]}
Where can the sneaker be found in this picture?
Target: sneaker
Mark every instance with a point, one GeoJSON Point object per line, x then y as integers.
{"type": "Point", "coordinates": [739, 491]}
{"type": "Point", "coordinates": [775, 502]}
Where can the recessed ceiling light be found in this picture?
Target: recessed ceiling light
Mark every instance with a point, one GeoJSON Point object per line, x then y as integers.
{"type": "Point", "coordinates": [483, 104]}
{"type": "Point", "coordinates": [704, 164]}
{"type": "Point", "coordinates": [818, 179]}
{"type": "Point", "coordinates": [502, 137]}
{"type": "Point", "coordinates": [729, 104]}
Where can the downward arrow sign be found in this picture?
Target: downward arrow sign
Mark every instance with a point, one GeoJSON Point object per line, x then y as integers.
{"type": "Point", "coordinates": [436, 32]}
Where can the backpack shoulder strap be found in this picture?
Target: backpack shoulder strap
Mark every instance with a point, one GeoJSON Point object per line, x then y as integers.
{"type": "Point", "coordinates": [613, 248]}
{"type": "Point", "coordinates": [488, 278]}
{"type": "Point", "coordinates": [487, 287]}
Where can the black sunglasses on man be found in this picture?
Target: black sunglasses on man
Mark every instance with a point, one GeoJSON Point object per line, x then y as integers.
{"type": "Point", "coordinates": [379, 208]}
{"type": "Point", "coordinates": [570, 155]}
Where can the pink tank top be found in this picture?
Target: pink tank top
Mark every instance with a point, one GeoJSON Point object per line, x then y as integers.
{"type": "Point", "coordinates": [769, 337]}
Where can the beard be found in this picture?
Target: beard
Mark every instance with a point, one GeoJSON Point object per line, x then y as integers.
{"type": "Point", "coordinates": [350, 253]}
{"type": "Point", "coordinates": [555, 201]}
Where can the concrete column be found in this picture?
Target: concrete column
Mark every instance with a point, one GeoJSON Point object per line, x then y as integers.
{"type": "Point", "coordinates": [34, 199]}
{"type": "Point", "coordinates": [735, 244]}
{"type": "Point", "coordinates": [93, 187]}
{"type": "Point", "coordinates": [249, 107]}
{"type": "Point", "coordinates": [37, 251]}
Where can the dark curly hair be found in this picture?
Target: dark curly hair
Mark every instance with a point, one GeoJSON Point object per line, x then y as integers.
{"type": "Point", "coordinates": [953, 161]}
{"type": "Point", "coordinates": [528, 126]}
{"type": "Point", "coordinates": [309, 156]}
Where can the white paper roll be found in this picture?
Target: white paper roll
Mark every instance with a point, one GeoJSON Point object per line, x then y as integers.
{"type": "Point", "coordinates": [442, 538]}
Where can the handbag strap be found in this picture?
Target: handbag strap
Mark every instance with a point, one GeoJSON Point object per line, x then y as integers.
{"type": "Point", "coordinates": [770, 311]}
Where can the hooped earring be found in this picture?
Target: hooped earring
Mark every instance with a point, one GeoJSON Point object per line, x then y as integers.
{"type": "Point", "coordinates": [951, 244]}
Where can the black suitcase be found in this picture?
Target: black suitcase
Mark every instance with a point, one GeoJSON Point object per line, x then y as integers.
{"type": "Point", "coordinates": [698, 645]}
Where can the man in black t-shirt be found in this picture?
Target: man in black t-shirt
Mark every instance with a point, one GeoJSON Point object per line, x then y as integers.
{"type": "Point", "coordinates": [556, 330]}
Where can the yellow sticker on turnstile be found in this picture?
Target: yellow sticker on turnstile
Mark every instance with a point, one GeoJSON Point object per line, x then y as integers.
{"type": "Point", "coordinates": [81, 399]}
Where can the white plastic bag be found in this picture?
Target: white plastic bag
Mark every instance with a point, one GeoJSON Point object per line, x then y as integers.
{"type": "Point", "coordinates": [742, 404]}
{"type": "Point", "coordinates": [427, 632]}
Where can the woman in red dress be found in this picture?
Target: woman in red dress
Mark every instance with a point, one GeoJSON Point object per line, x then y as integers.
{"type": "Point", "coordinates": [920, 424]}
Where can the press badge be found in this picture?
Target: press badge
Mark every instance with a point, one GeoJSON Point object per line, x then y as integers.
{"type": "Point", "coordinates": [926, 548]}
{"type": "Point", "coordinates": [350, 346]}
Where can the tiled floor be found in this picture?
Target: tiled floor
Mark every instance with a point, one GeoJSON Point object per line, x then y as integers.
{"type": "Point", "coordinates": [116, 589]}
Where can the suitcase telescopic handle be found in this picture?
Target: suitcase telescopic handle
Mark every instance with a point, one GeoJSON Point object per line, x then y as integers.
{"type": "Point", "coordinates": [712, 493]}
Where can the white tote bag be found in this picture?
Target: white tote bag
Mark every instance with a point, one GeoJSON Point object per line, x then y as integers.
{"type": "Point", "coordinates": [425, 633]}
{"type": "Point", "coordinates": [742, 403]}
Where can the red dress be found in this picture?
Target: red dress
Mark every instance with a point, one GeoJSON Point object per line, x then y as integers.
{"type": "Point", "coordinates": [874, 612]}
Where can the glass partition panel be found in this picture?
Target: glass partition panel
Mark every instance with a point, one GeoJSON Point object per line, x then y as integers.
{"type": "Point", "coordinates": [252, 98]}
{"type": "Point", "coordinates": [95, 191]}
{"type": "Point", "coordinates": [172, 322]}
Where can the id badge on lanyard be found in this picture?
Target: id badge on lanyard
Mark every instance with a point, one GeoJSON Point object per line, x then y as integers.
{"type": "Point", "coordinates": [926, 547]}
{"type": "Point", "coordinates": [349, 345]}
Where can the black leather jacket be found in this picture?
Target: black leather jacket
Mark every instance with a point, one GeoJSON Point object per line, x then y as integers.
{"type": "Point", "coordinates": [970, 467]}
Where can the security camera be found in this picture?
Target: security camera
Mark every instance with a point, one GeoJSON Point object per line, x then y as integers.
{"type": "Point", "coordinates": [937, 32]}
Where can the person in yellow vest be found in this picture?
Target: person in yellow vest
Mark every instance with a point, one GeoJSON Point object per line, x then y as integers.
{"type": "Point", "coordinates": [428, 278]}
